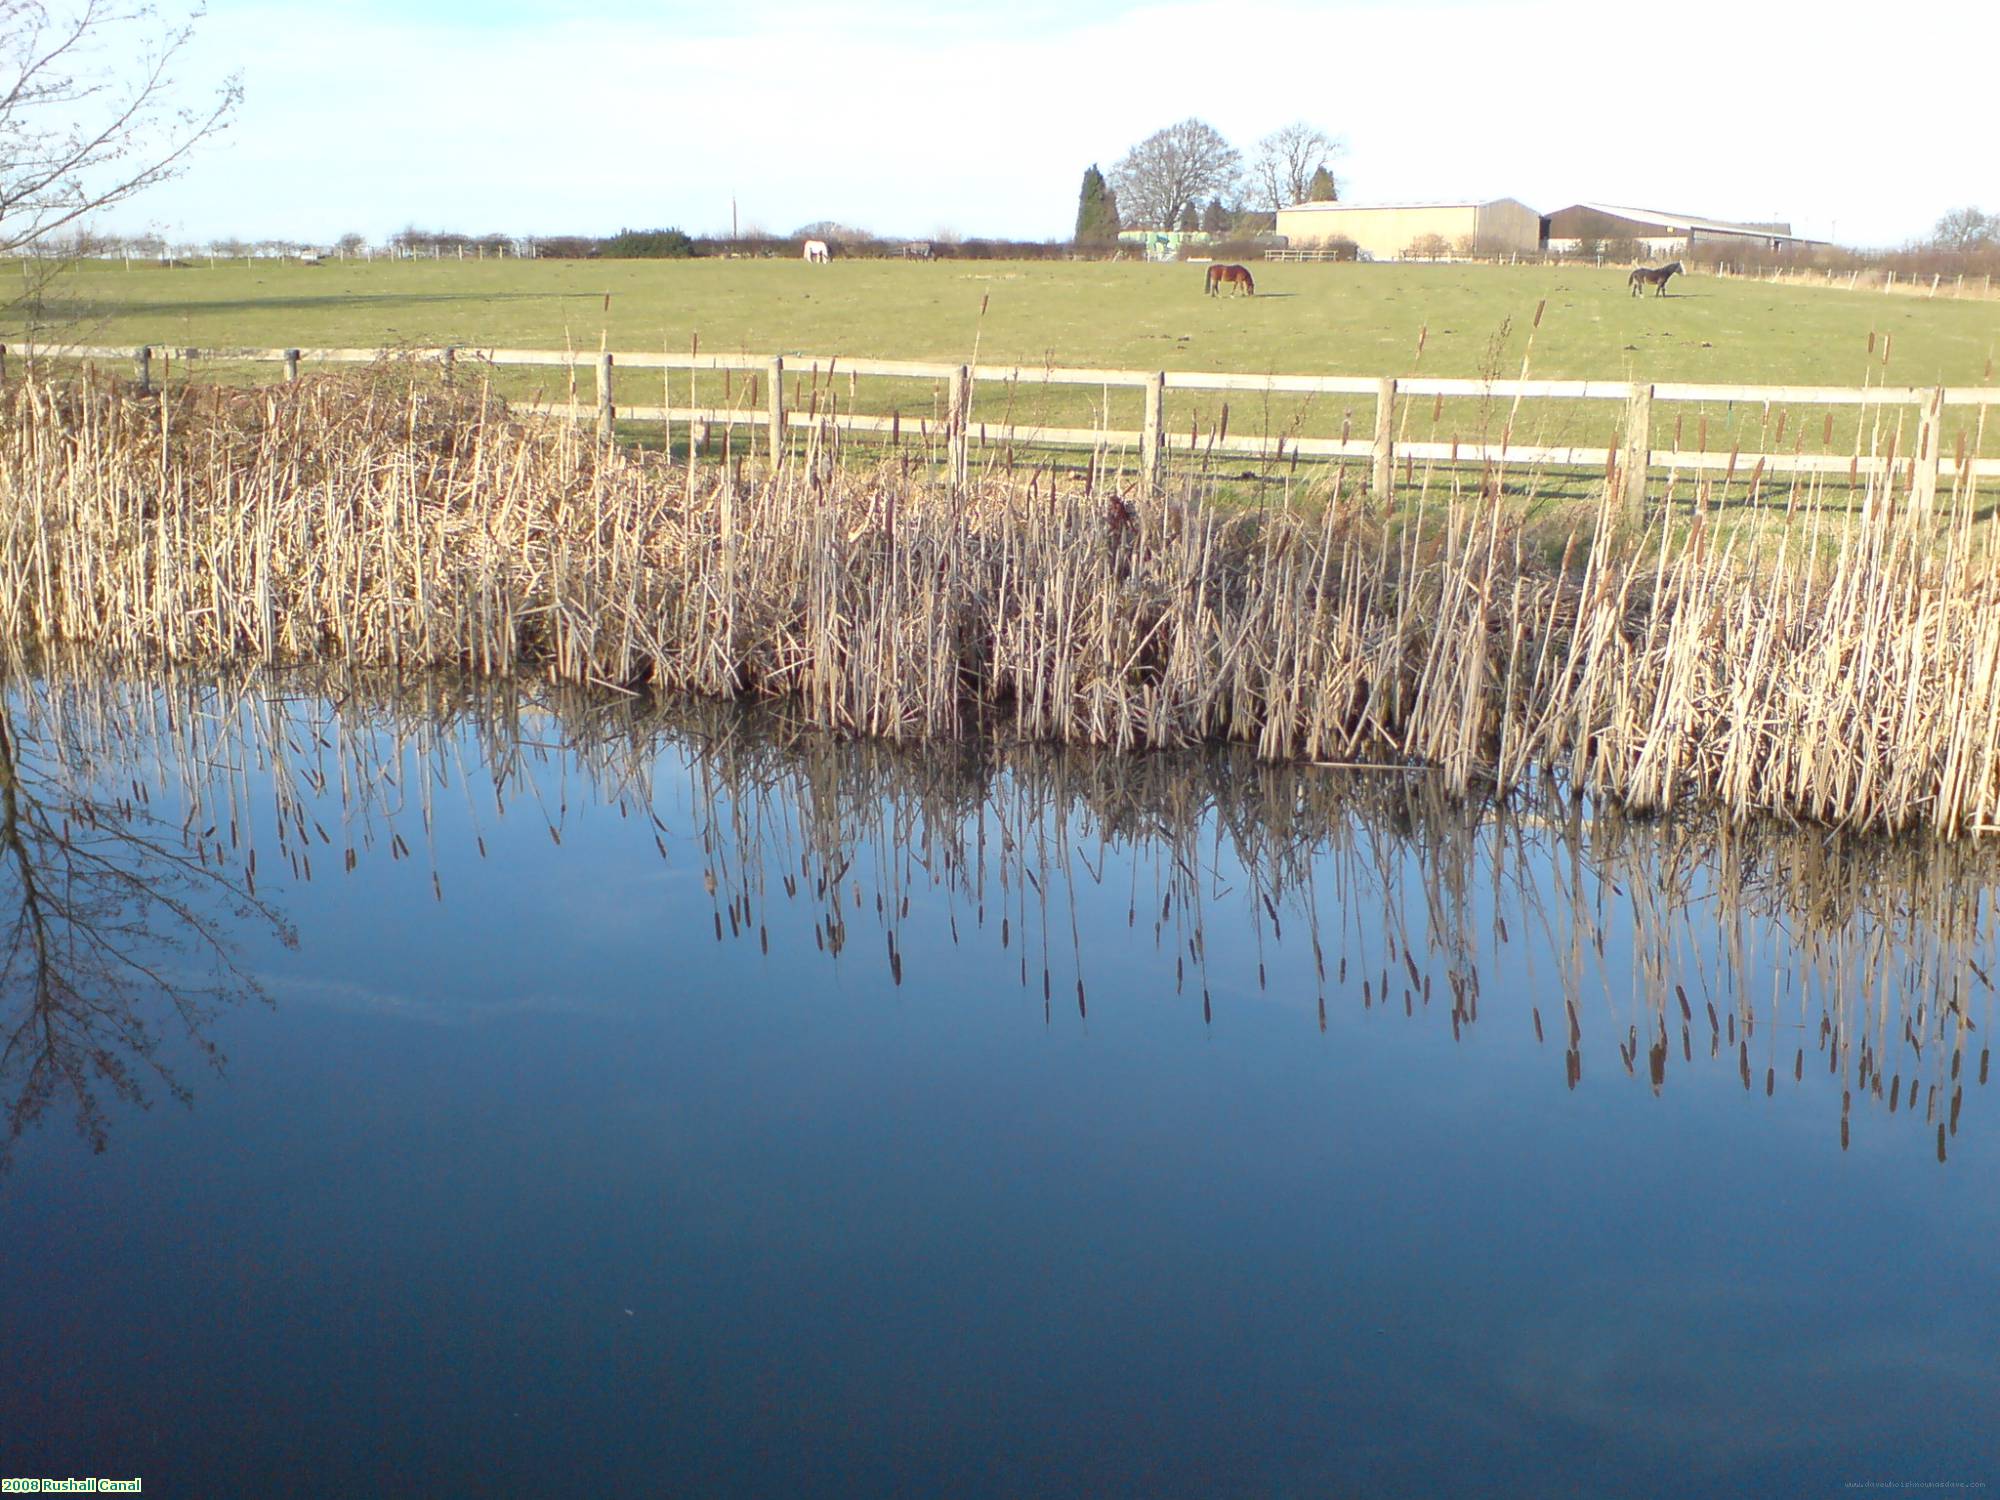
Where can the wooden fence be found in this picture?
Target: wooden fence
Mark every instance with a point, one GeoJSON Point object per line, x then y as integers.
{"type": "Point", "coordinates": [1626, 462]}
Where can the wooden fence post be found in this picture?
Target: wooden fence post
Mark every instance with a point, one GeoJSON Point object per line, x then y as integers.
{"type": "Point", "coordinates": [957, 436]}
{"type": "Point", "coordinates": [142, 367]}
{"type": "Point", "coordinates": [1154, 428]}
{"type": "Point", "coordinates": [1638, 456]}
{"type": "Point", "coordinates": [775, 408]}
{"type": "Point", "coordinates": [291, 365]}
{"type": "Point", "coordinates": [450, 358]}
{"type": "Point", "coordinates": [3, 363]}
{"type": "Point", "coordinates": [1385, 440]}
{"type": "Point", "coordinates": [607, 413]}
{"type": "Point", "coordinates": [1930, 445]}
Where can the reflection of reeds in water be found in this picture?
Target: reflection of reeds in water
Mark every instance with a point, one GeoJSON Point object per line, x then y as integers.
{"type": "Point", "coordinates": [118, 925]}
{"type": "Point", "coordinates": [1805, 664]}
{"type": "Point", "coordinates": [1794, 958]}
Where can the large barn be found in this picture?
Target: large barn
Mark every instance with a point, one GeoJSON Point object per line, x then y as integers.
{"type": "Point", "coordinates": [1658, 232]}
{"type": "Point", "coordinates": [1387, 231]}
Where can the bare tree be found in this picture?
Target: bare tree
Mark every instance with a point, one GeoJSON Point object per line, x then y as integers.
{"type": "Point", "coordinates": [1966, 229]}
{"type": "Point", "coordinates": [1161, 177]}
{"type": "Point", "coordinates": [89, 110]}
{"type": "Point", "coordinates": [1287, 160]}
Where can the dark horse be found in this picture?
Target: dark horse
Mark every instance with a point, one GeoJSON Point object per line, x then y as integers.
{"type": "Point", "coordinates": [1644, 277]}
{"type": "Point", "coordinates": [1220, 276]}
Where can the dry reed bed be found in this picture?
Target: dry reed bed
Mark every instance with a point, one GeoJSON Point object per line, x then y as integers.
{"type": "Point", "coordinates": [1851, 679]}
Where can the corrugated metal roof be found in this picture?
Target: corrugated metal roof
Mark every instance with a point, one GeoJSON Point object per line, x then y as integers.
{"type": "Point", "coordinates": [1687, 222]}
{"type": "Point", "coordinates": [1357, 207]}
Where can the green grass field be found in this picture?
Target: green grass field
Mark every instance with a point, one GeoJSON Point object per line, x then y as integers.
{"type": "Point", "coordinates": [1307, 319]}
{"type": "Point", "coordinates": [1371, 320]}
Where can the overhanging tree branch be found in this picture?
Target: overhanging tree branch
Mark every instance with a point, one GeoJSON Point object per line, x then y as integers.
{"type": "Point", "coordinates": [88, 111]}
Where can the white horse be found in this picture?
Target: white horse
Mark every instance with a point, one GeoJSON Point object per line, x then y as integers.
{"type": "Point", "coordinates": [816, 252]}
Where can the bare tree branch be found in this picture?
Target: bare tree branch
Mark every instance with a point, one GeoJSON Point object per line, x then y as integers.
{"type": "Point", "coordinates": [88, 111]}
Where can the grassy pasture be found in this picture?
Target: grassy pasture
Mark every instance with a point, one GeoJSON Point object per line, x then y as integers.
{"type": "Point", "coordinates": [1446, 320]}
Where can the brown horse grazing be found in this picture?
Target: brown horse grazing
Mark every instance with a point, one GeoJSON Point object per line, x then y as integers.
{"type": "Point", "coordinates": [1219, 276]}
{"type": "Point", "coordinates": [1644, 277]}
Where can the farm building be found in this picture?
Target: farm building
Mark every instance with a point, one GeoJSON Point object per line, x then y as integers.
{"type": "Point", "coordinates": [1387, 231]}
{"type": "Point", "coordinates": [1660, 233]}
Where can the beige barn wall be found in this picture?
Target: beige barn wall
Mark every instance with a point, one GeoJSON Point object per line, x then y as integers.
{"type": "Point", "coordinates": [1507, 225]}
{"type": "Point", "coordinates": [1382, 232]}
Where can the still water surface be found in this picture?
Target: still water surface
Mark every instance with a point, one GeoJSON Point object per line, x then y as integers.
{"type": "Point", "coordinates": [469, 1094]}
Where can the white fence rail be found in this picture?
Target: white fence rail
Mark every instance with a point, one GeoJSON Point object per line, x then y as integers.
{"type": "Point", "coordinates": [1922, 466]}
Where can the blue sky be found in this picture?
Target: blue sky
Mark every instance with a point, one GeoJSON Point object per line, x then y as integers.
{"type": "Point", "coordinates": [920, 119]}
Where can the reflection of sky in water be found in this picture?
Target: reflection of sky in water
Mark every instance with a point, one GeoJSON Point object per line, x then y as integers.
{"type": "Point", "coordinates": [543, 1186]}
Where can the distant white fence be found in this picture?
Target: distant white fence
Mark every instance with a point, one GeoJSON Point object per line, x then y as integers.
{"type": "Point", "coordinates": [1955, 286]}
{"type": "Point", "coordinates": [1626, 463]}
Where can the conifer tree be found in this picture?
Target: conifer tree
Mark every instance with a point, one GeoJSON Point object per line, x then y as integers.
{"type": "Point", "coordinates": [1096, 209]}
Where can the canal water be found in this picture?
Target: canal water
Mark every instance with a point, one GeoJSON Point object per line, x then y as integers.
{"type": "Point", "coordinates": [467, 1091]}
